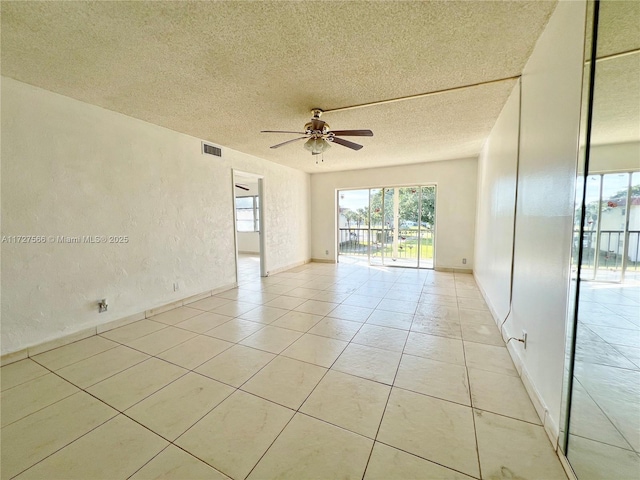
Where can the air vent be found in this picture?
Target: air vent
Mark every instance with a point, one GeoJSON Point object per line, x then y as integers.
{"type": "Point", "coordinates": [211, 150]}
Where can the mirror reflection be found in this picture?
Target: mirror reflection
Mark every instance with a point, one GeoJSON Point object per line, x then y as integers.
{"type": "Point", "coordinates": [604, 403]}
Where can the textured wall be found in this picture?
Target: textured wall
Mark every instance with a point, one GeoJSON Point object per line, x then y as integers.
{"type": "Point", "coordinates": [73, 169]}
{"type": "Point", "coordinates": [455, 205]}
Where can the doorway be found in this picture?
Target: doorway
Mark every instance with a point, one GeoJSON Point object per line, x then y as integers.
{"type": "Point", "coordinates": [248, 214]}
{"type": "Point", "coordinates": [390, 226]}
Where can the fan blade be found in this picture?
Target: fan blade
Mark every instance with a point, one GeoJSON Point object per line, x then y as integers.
{"type": "Point", "coordinates": [317, 124]}
{"type": "Point", "coordinates": [346, 143]}
{"type": "Point", "coordinates": [280, 131]}
{"type": "Point", "coordinates": [242, 187]}
{"type": "Point", "coordinates": [288, 141]}
{"type": "Point", "coordinates": [353, 133]}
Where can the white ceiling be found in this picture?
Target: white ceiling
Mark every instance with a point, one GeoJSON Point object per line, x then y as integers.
{"type": "Point", "coordinates": [616, 99]}
{"type": "Point", "coordinates": [223, 71]}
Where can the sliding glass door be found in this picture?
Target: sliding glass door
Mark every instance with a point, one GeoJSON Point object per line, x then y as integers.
{"type": "Point", "coordinates": [396, 227]}
{"type": "Point", "coordinates": [611, 226]}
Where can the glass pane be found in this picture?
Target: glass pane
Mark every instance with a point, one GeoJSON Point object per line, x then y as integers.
{"type": "Point", "coordinates": [612, 225]}
{"type": "Point", "coordinates": [603, 434]}
{"type": "Point", "coordinates": [245, 225]}
{"type": "Point", "coordinates": [404, 220]}
{"type": "Point", "coordinates": [353, 222]}
{"type": "Point", "coordinates": [375, 199]}
{"type": "Point", "coordinates": [244, 202]}
{"type": "Point", "coordinates": [427, 222]}
{"type": "Point", "coordinates": [590, 234]}
{"type": "Point", "coordinates": [633, 243]}
{"type": "Point", "coordinates": [388, 225]}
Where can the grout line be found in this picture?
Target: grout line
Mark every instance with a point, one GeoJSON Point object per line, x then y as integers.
{"type": "Point", "coordinates": [430, 461]}
{"type": "Point", "coordinates": [384, 411]}
{"type": "Point", "coordinates": [605, 416]}
{"type": "Point", "coordinates": [473, 414]}
{"type": "Point", "coordinates": [333, 283]}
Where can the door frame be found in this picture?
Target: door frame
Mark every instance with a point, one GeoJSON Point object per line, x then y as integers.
{"type": "Point", "coordinates": [261, 216]}
{"type": "Point", "coordinates": [419, 185]}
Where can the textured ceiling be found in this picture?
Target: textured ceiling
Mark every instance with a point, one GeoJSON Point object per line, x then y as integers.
{"type": "Point", "coordinates": [616, 102]}
{"type": "Point", "coordinates": [223, 71]}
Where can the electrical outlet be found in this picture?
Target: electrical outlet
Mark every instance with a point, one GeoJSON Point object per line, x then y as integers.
{"type": "Point", "coordinates": [326, 252]}
{"type": "Point", "coordinates": [524, 338]}
{"type": "Point", "coordinates": [176, 286]}
{"type": "Point", "coordinates": [102, 305]}
{"type": "Point", "coordinates": [464, 261]}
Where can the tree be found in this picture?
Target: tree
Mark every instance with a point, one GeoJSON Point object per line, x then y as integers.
{"type": "Point", "coordinates": [408, 205]}
{"type": "Point", "coordinates": [362, 216]}
{"type": "Point", "coordinates": [349, 216]}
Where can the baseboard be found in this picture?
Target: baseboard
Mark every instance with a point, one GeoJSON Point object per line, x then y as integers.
{"type": "Point", "coordinates": [61, 341]}
{"type": "Point", "coordinates": [288, 267]}
{"type": "Point", "coordinates": [322, 260]}
{"type": "Point", "coordinates": [453, 270]}
{"type": "Point", "coordinates": [566, 465]}
{"type": "Point", "coordinates": [549, 425]}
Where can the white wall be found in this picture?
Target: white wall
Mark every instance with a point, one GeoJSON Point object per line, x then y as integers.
{"type": "Point", "coordinates": [69, 168]}
{"type": "Point", "coordinates": [497, 166]}
{"type": "Point", "coordinates": [615, 157]}
{"type": "Point", "coordinates": [455, 205]}
{"type": "Point", "coordinates": [550, 103]}
{"type": "Point", "coordinates": [249, 242]}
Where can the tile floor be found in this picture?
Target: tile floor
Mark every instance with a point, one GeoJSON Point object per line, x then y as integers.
{"type": "Point", "coordinates": [324, 371]}
{"type": "Point", "coordinates": [605, 418]}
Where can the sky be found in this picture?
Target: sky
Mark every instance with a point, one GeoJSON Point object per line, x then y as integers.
{"type": "Point", "coordinates": [354, 199]}
{"type": "Point", "coordinates": [612, 184]}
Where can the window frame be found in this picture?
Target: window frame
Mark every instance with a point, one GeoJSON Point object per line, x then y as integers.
{"type": "Point", "coordinates": [255, 208]}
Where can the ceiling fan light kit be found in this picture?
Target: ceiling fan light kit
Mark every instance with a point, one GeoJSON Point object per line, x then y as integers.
{"type": "Point", "coordinates": [316, 145]}
{"type": "Point", "coordinates": [319, 136]}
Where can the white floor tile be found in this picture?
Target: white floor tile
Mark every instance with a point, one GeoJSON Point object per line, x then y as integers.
{"type": "Point", "coordinates": [31, 396]}
{"type": "Point", "coordinates": [322, 351]}
{"type": "Point", "coordinates": [434, 429]}
{"type": "Point", "coordinates": [285, 381]}
{"type": "Point", "coordinates": [115, 449]}
{"type": "Point", "coordinates": [235, 435]}
{"type": "Point", "coordinates": [176, 407]}
{"type": "Point", "coordinates": [349, 402]}
{"type": "Point", "coordinates": [368, 362]}
{"type": "Point", "coordinates": [516, 449]}
{"type": "Point", "coordinates": [435, 347]}
{"type": "Point", "coordinates": [502, 394]}
{"type": "Point", "coordinates": [37, 436]}
{"type": "Point", "coordinates": [20, 372]}
{"type": "Point", "coordinates": [437, 379]}
{"type": "Point", "coordinates": [134, 384]}
{"type": "Point", "coordinates": [175, 464]}
{"type": "Point", "coordinates": [235, 365]}
{"type": "Point", "coordinates": [388, 463]}
{"type": "Point", "coordinates": [74, 352]}
{"type": "Point", "coordinates": [309, 448]}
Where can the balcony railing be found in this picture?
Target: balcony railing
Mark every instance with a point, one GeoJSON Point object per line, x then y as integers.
{"type": "Point", "coordinates": [610, 249]}
{"type": "Point", "coordinates": [358, 240]}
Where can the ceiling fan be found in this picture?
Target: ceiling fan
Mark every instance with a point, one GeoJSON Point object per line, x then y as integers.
{"type": "Point", "coordinates": [319, 136]}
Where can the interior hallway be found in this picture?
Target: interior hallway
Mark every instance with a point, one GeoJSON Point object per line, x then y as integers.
{"type": "Point", "coordinates": [323, 371]}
